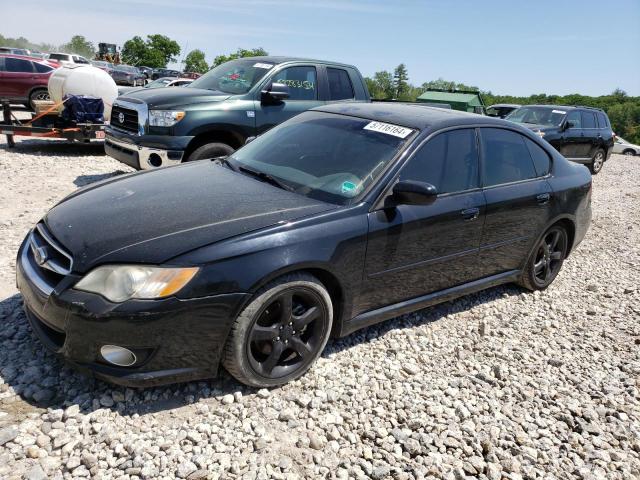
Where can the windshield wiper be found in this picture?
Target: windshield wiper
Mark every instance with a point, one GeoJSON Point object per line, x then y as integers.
{"type": "Point", "coordinates": [225, 161]}
{"type": "Point", "coordinates": [265, 177]}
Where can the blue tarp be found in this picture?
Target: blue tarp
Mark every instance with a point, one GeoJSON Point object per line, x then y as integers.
{"type": "Point", "coordinates": [83, 109]}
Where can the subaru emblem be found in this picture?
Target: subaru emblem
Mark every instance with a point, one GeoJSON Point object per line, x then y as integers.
{"type": "Point", "coordinates": [121, 117]}
{"type": "Point", "coordinates": [40, 255]}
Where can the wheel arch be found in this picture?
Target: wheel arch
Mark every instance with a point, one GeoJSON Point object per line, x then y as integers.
{"type": "Point", "coordinates": [569, 224]}
{"type": "Point", "coordinates": [232, 138]}
{"type": "Point", "coordinates": [329, 279]}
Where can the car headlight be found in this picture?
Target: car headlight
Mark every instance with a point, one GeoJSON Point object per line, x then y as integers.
{"type": "Point", "coordinates": [164, 118]}
{"type": "Point", "coordinates": [118, 283]}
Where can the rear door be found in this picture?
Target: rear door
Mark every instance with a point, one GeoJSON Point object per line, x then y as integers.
{"type": "Point", "coordinates": [572, 137]}
{"type": "Point", "coordinates": [413, 250]}
{"type": "Point", "coordinates": [304, 93]}
{"type": "Point", "coordinates": [518, 198]}
{"type": "Point", "coordinates": [590, 134]}
{"type": "Point", "coordinates": [19, 76]}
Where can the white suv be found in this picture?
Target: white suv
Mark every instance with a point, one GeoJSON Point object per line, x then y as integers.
{"type": "Point", "coordinates": [68, 59]}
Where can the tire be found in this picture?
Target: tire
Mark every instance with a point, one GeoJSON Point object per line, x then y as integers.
{"type": "Point", "coordinates": [257, 351]}
{"type": "Point", "coordinates": [597, 161]}
{"type": "Point", "coordinates": [629, 152]}
{"type": "Point", "coordinates": [210, 150]}
{"type": "Point", "coordinates": [546, 259]}
{"type": "Point", "coordinates": [38, 94]}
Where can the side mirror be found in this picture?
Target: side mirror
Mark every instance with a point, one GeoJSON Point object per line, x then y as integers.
{"type": "Point", "coordinates": [249, 140]}
{"type": "Point", "coordinates": [568, 125]}
{"type": "Point", "coordinates": [410, 192]}
{"type": "Point", "coordinates": [274, 93]}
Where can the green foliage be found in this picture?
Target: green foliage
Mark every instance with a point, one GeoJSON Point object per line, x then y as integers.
{"type": "Point", "coordinates": [381, 86]}
{"type": "Point", "coordinates": [442, 84]}
{"type": "Point", "coordinates": [401, 82]}
{"type": "Point", "coordinates": [22, 42]}
{"type": "Point", "coordinates": [80, 46]}
{"type": "Point", "coordinates": [155, 52]}
{"type": "Point", "coordinates": [240, 53]}
{"type": "Point", "coordinates": [195, 62]}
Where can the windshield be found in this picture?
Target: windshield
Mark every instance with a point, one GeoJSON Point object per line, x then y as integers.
{"type": "Point", "coordinates": [161, 82]}
{"type": "Point", "coordinates": [547, 116]}
{"type": "Point", "coordinates": [236, 76]}
{"type": "Point", "coordinates": [324, 156]}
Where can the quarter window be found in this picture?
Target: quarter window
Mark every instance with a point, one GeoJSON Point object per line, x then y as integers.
{"type": "Point", "coordinates": [17, 65]}
{"type": "Point", "coordinates": [340, 87]}
{"type": "Point", "coordinates": [505, 157]}
{"type": "Point", "coordinates": [602, 120]}
{"type": "Point", "coordinates": [40, 68]}
{"type": "Point", "coordinates": [448, 161]}
{"type": "Point", "coordinates": [588, 120]}
{"type": "Point", "coordinates": [539, 156]}
{"type": "Point", "coordinates": [301, 82]}
{"type": "Point", "coordinates": [575, 118]}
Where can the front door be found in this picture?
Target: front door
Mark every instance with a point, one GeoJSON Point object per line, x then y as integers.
{"type": "Point", "coordinates": [413, 250]}
{"type": "Point", "coordinates": [518, 197]}
{"type": "Point", "coordinates": [302, 81]}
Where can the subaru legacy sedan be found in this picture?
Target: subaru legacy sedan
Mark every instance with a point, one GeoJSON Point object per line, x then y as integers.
{"type": "Point", "coordinates": [339, 218]}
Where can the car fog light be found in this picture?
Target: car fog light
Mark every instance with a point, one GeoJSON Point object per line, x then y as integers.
{"type": "Point", "coordinates": [119, 356]}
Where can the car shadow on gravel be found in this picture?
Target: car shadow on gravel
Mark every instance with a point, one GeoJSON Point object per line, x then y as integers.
{"type": "Point", "coordinates": [83, 180]}
{"type": "Point", "coordinates": [40, 379]}
{"type": "Point", "coordinates": [56, 148]}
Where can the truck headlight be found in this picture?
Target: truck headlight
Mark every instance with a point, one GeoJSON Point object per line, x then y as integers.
{"type": "Point", "coordinates": [164, 118]}
{"type": "Point", "coordinates": [118, 283]}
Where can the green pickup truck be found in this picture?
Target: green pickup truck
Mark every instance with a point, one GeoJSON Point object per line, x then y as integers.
{"type": "Point", "coordinates": [216, 113]}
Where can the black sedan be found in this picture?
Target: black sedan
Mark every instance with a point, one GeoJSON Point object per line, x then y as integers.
{"type": "Point", "coordinates": [342, 217]}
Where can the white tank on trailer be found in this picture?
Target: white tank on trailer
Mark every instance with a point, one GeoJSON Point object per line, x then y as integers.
{"type": "Point", "coordinates": [83, 80]}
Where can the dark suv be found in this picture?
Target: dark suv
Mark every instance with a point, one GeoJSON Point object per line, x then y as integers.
{"type": "Point", "coordinates": [581, 134]}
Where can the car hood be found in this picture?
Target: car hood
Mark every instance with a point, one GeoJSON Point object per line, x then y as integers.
{"type": "Point", "coordinates": [169, 97]}
{"type": "Point", "coordinates": [150, 217]}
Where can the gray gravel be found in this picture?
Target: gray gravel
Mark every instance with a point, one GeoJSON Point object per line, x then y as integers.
{"type": "Point", "coordinates": [503, 384]}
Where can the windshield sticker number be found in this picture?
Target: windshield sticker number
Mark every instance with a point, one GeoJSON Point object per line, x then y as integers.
{"type": "Point", "coordinates": [266, 66]}
{"type": "Point", "coordinates": [558, 111]}
{"type": "Point", "coordinates": [388, 129]}
{"type": "Point", "coordinates": [306, 84]}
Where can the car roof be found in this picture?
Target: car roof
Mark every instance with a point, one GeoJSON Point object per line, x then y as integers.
{"type": "Point", "coordinates": [25, 57]}
{"type": "Point", "coordinates": [411, 115]}
{"type": "Point", "coordinates": [282, 59]}
{"type": "Point", "coordinates": [501, 105]}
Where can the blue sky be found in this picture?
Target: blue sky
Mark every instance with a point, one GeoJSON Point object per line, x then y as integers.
{"type": "Point", "coordinates": [509, 47]}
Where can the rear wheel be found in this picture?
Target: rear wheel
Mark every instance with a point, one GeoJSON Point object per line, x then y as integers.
{"type": "Point", "coordinates": [629, 152]}
{"type": "Point", "coordinates": [597, 161]}
{"type": "Point", "coordinates": [38, 94]}
{"type": "Point", "coordinates": [279, 335]}
{"type": "Point", "coordinates": [546, 259]}
{"type": "Point", "coordinates": [210, 150]}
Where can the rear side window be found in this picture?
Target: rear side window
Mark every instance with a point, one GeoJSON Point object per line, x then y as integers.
{"type": "Point", "coordinates": [17, 65]}
{"type": "Point", "coordinates": [301, 82]}
{"type": "Point", "coordinates": [340, 87]}
{"type": "Point", "coordinates": [603, 121]}
{"type": "Point", "coordinates": [540, 158]}
{"type": "Point", "coordinates": [588, 120]}
{"type": "Point", "coordinates": [40, 68]}
{"type": "Point", "coordinates": [506, 158]}
{"type": "Point", "coordinates": [58, 56]}
{"type": "Point", "coordinates": [448, 161]}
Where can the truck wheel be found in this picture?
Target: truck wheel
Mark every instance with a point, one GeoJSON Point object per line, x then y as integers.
{"type": "Point", "coordinates": [281, 333]}
{"type": "Point", "coordinates": [210, 150]}
{"type": "Point", "coordinates": [597, 161]}
{"type": "Point", "coordinates": [38, 94]}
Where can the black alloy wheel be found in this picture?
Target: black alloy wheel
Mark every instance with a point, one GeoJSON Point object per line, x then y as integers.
{"type": "Point", "coordinates": [279, 335]}
{"type": "Point", "coordinates": [550, 253]}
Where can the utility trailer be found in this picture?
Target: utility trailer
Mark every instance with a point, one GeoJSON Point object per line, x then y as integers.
{"type": "Point", "coordinates": [47, 123]}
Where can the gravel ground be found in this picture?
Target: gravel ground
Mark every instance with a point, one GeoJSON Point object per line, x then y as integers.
{"type": "Point", "coordinates": [503, 384]}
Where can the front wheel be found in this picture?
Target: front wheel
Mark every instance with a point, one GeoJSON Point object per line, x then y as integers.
{"type": "Point", "coordinates": [210, 150]}
{"type": "Point", "coordinates": [546, 259]}
{"type": "Point", "coordinates": [629, 152]}
{"type": "Point", "coordinates": [279, 335]}
{"type": "Point", "coordinates": [597, 161]}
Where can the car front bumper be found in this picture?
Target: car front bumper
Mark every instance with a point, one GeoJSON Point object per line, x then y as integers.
{"type": "Point", "coordinates": [145, 152]}
{"type": "Point", "coordinates": [174, 339]}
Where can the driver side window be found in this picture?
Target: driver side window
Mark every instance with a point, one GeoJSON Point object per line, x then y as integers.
{"type": "Point", "coordinates": [448, 161]}
{"type": "Point", "coordinates": [301, 82]}
{"type": "Point", "coordinates": [575, 118]}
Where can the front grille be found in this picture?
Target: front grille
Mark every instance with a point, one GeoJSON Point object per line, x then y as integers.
{"type": "Point", "coordinates": [124, 119]}
{"type": "Point", "coordinates": [46, 254]}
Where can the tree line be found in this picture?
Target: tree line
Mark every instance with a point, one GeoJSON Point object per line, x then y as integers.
{"type": "Point", "coordinates": [157, 51]}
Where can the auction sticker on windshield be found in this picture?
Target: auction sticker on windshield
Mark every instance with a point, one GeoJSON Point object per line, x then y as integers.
{"type": "Point", "coordinates": [262, 65]}
{"type": "Point", "coordinates": [388, 128]}
{"type": "Point", "coordinates": [558, 111]}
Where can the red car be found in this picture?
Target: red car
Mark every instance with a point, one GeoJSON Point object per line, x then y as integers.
{"type": "Point", "coordinates": [24, 79]}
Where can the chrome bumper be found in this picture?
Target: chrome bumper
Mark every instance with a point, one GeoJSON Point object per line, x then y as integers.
{"type": "Point", "coordinates": [148, 158]}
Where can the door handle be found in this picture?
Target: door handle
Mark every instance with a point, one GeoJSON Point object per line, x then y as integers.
{"type": "Point", "coordinates": [470, 213]}
{"type": "Point", "coordinates": [543, 198]}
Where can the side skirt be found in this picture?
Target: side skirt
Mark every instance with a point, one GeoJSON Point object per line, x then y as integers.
{"type": "Point", "coordinates": [372, 317]}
